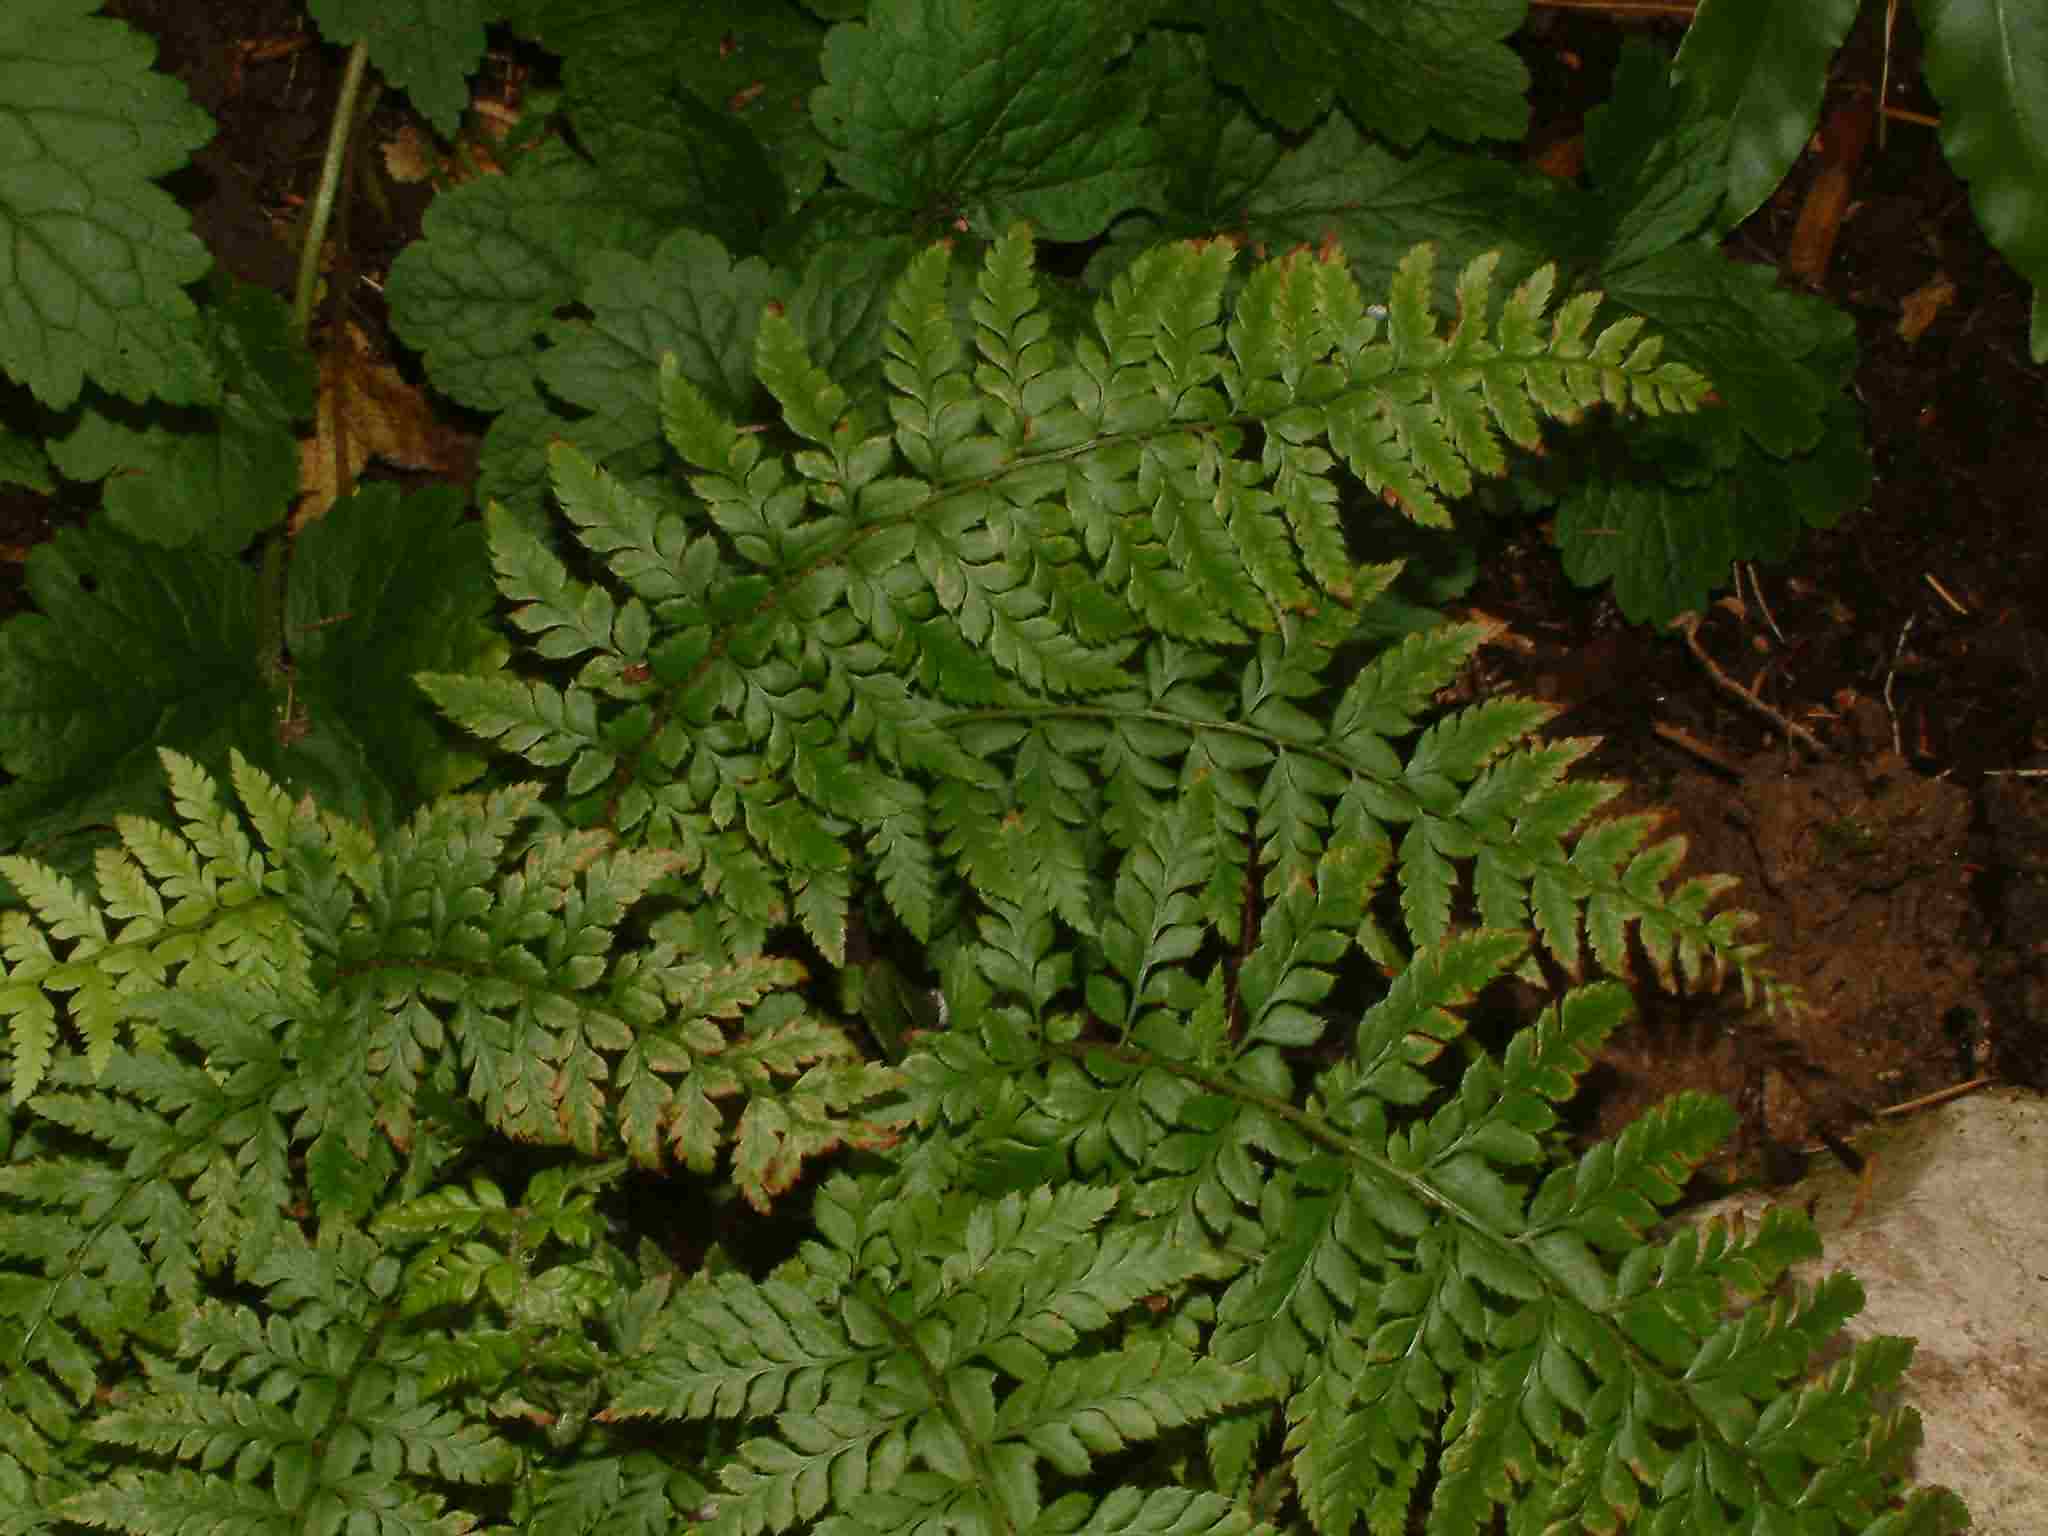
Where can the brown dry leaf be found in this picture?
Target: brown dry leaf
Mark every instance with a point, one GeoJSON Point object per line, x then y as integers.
{"type": "Point", "coordinates": [365, 411]}
{"type": "Point", "coordinates": [1920, 308]}
{"type": "Point", "coordinates": [1843, 142]}
{"type": "Point", "coordinates": [1563, 160]}
{"type": "Point", "coordinates": [409, 156]}
{"type": "Point", "coordinates": [261, 50]}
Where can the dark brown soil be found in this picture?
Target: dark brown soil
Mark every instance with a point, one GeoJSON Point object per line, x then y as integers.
{"type": "Point", "coordinates": [1900, 874]}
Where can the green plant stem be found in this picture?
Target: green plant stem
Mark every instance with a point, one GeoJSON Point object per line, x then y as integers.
{"type": "Point", "coordinates": [330, 182]}
{"type": "Point", "coordinates": [270, 621]}
{"type": "Point", "coordinates": [339, 133]}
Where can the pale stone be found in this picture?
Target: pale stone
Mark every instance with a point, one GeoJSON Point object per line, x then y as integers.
{"type": "Point", "coordinates": [1950, 1241]}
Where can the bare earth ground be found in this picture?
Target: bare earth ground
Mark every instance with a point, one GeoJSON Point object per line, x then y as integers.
{"type": "Point", "coordinates": [1900, 873]}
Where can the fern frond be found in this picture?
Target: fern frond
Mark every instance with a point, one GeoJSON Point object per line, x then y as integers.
{"type": "Point", "coordinates": [191, 1177]}
{"type": "Point", "coordinates": [188, 909]}
{"type": "Point", "coordinates": [629, 1495]}
{"type": "Point", "coordinates": [543, 725]}
{"type": "Point", "coordinates": [1157, 922]}
{"type": "Point", "coordinates": [147, 1502]}
{"type": "Point", "coordinates": [968, 1356]}
{"type": "Point", "coordinates": [334, 1419]}
{"type": "Point", "coordinates": [934, 407]}
{"type": "Point", "coordinates": [1081, 1409]}
{"type": "Point", "coordinates": [512, 972]}
{"type": "Point", "coordinates": [568, 618]}
{"type": "Point", "coordinates": [1398, 1277]}
{"type": "Point", "coordinates": [1052, 656]}
{"type": "Point", "coordinates": [1028, 516]}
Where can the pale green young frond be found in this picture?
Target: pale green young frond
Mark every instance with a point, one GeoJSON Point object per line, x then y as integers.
{"type": "Point", "coordinates": [233, 873]}
{"type": "Point", "coordinates": [188, 909]}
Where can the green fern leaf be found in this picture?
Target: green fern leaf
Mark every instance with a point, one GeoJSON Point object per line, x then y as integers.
{"type": "Point", "coordinates": [539, 722]}
{"type": "Point", "coordinates": [625, 1494]}
{"type": "Point", "coordinates": [1156, 923]}
{"type": "Point", "coordinates": [1059, 675]}
{"type": "Point", "coordinates": [194, 909]}
{"type": "Point", "coordinates": [741, 1348]}
{"type": "Point", "coordinates": [1082, 1409]}
{"type": "Point", "coordinates": [811, 403]}
{"type": "Point", "coordinates": [934, 406]}
{"type": "Point", "coordinates": [569, 617]}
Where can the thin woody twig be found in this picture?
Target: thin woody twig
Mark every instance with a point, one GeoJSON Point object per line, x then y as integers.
{"type": "Point", "coordinates": [1762, 602]}
{"type": "Point", "coordinates": [1944, 593]}
{"type": "Point", "coordinates": [1685, 741]}
{"type": "Point", "coordinates": [1908, 115]}
{"type": "Point", "coordinates": [1884, 70]}
{"type": "Point", "coordinates": [1939, 1096]}
{"type": "Point", "coordinates": [1865, 1166]}
{"type": "Point", "coordinates": [1890, 674]}
{"type": "Point", "coordinates": [1688, 624]}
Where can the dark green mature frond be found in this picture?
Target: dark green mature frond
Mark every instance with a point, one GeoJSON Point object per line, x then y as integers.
{"type": "Point", "coordinates": [1058, 655]}
{"type": "Point", "coordinates": [316, 1406]}
{"type": "Point", "coordinates": [628, 1495]}
{"type": "Point", "coordinates": [933, 1348]}
{"type": "Point", "coordinates": [933, 633]}
{"type": "Point", "coordinates": [1415, 1267]}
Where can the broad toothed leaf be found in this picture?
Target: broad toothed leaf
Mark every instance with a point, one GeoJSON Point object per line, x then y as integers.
{"type": "Point", "coordinates": [97, 255]}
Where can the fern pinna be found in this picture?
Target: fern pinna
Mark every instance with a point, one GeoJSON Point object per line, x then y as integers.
{"type": "Point", "coordinates": [1047, 671]}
